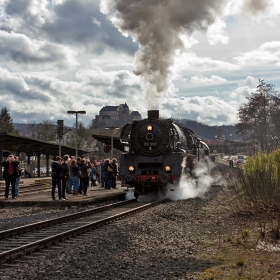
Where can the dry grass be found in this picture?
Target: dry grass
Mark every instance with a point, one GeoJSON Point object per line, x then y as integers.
{"type": "Point", "coordinates": [247, 244]}
{"type": "Point", "coordinates": [241, 255]}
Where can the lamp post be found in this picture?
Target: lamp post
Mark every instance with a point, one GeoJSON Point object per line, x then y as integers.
{"type": "Point", "coordinates": [76, 112]}
{"type": "Point", "coordinates": [216, 144]}
{"type": "Point", "coordinates": [229, 143]}
{"type": "Point", "coordinates": [112, 139]}
{"type": "Point", "coordinates": [223, 138]}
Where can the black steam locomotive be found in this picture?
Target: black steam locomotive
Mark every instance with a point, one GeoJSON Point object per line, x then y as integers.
{"type": "Point", "coordinates": [154, 152]}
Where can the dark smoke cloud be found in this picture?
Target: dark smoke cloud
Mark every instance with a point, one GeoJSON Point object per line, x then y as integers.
{"type": "Point", "coordinates": [156, 26]}
{"type": "Point", "coordinates": [255, 6]}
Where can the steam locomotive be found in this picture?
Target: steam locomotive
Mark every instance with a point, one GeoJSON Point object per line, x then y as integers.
{"type": "Point", "coordinates": [155, 149]}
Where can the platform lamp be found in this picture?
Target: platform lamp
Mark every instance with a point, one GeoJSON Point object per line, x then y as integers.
{"type": "Point", "coordinates": [76, 112]}
{"type": "Point", "coordinates": [112, 138]}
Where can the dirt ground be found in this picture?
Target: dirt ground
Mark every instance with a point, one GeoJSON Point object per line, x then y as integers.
{"type": "Point", "coordinates": [235, 244]}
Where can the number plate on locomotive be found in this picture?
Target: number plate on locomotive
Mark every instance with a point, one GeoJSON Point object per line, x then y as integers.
{"type": "Point", "coordinates": [150, 144]}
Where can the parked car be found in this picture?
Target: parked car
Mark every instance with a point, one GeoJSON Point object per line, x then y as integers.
{"type": "Point", "coordinates": [241, 159]}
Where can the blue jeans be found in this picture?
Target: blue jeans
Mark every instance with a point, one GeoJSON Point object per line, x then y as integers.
{"type": "Point", "coordinates": [76, 183]}
{"type": "Point", "coordinates": [56, 182]}
{"type": "Point", "coordinates": [16, 185]}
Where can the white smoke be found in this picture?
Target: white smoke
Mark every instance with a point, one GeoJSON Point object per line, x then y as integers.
{"type": "Point", "coordinates": [129, 194]}
{"type": "Point", "coordinates": [196, 185]}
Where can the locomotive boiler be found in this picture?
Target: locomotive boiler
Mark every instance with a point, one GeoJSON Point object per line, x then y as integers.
{"type": "Point", "coordinates": [154, 151]}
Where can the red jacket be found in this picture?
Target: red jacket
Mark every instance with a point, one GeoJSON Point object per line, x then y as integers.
{"type": "Point", "coordinates": [5, 164]}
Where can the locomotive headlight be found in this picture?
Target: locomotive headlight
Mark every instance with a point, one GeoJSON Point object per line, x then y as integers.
{"type": "Point", "coordinates": [149, 128]}
{"type": "Point", "coordinates": [131, 168]}
{"type": "Point", "coordinates": [167, 168]}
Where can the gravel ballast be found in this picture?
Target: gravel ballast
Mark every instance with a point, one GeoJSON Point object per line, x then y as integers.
{"type": "Point", "coordinates": [165, 242]}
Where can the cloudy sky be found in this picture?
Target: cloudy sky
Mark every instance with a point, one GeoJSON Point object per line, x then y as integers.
{"type": "Point", "coordinates": [192, 59]}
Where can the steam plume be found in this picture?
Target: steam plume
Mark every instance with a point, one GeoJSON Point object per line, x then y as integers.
{"type": "Point", "coordinates": [192, 187]}
{"type": "Point", "coordinates": [156, 26]}
{"type": "Point", "coordinates": [255, 6]}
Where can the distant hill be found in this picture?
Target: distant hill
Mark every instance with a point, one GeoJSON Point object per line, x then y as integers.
{"type": "Point", "coordinates": [208, 133]}
{"type": "Point", "coordinates": [21, 126]}
{"type": "Point", "coordinates": [203, 131]}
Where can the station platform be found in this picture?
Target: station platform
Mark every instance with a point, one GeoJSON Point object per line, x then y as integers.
{"type": "Point", "coordinates": [43, 197]}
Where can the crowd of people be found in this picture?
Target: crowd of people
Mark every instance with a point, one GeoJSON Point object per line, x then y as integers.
{"type": "Point", "coordinates": [70, 175]}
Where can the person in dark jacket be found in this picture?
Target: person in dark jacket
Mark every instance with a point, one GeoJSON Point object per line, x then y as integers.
{"type": "Point", "coordinates": [65, 176]}
{"type": "Point", "coordinates": [115, 172]}
{"type": "Point", "coordinates": [108, 171]}
{"type": "Point", "coordinates": [84, 178]}
{"type": "Point", "coordinates": [57, 173]}
{"type": "Point", "coordinates": [10, 174]}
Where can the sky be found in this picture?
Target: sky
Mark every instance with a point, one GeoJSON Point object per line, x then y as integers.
{"type": "Point", "coordinates": [191, 59]}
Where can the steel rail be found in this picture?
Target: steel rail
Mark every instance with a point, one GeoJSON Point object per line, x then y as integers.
{"type": "Point", "coordinates": [45, 242]}
{"type": "Point", "coordinates": [39, 225]}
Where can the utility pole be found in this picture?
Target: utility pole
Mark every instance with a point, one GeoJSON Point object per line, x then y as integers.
{"type": "Point", "coordinates": [59, 134]}
{"type": "Point", "coordinates": [112, 139]}
{"type": "Point", "coordinates": [76, 113]}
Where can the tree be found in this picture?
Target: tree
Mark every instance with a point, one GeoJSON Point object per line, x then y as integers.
{"type": "Point", "coordinates": [6, 122]}
{"type": "Point", "coordinates": [46, 130]}
{"type": "Point", "coordinates": [257, 121]}
{"type": "Point", "coordinates": [83, 134]}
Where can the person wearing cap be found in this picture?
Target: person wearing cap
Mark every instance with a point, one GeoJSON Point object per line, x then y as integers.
{"type": "Point", "coordinates": [10, 174]}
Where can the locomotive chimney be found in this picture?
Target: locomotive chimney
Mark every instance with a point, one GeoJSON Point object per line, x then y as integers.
{"type": "Point", "coordinates": [153, 114]}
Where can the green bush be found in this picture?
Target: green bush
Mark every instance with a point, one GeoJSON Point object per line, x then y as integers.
{"type": "Point", "coordinates": [257, 189]}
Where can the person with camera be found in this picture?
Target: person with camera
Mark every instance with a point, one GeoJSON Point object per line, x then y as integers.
{"type": "Point", "coordinates": [10, 174]}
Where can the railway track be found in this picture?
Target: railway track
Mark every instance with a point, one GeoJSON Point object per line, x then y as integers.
{"type": "Point", "coordinates": [30, 188]}
{"type": "Point", "coordinates": [25, 240]}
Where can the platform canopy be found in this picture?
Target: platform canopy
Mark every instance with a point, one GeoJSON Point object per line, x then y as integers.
{"type": "Point", "coordinates": [17, 144]}
{"type": "Point", "coordinates": [108, 139]}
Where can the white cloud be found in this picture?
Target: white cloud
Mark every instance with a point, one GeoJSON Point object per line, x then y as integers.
{"type": "Point", "coordinates": [249, 81]}
{"type": "Point", "coordinates": [267, 53]}
{"type": "Point", "coordinates": [96, 22]}
{"type": "Point", "coordinates": [191, 62]}
{"type": "Point", "coordinates": [58, 2]}
{"type": "Point", "coordinates": [241, 94]}
{"type": "Point", "coordinates": [187, 40]}
{"type": "Point", "coordinates": [12, 82]}
{"type": "Point", "coordinates": [216, 33]}
{"type": "Point", "coordinates": [21, 49]}
{"type": "Point", "coordinates": [211, 110]}
{"type": "Point", "coordinates": [199, 79]}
